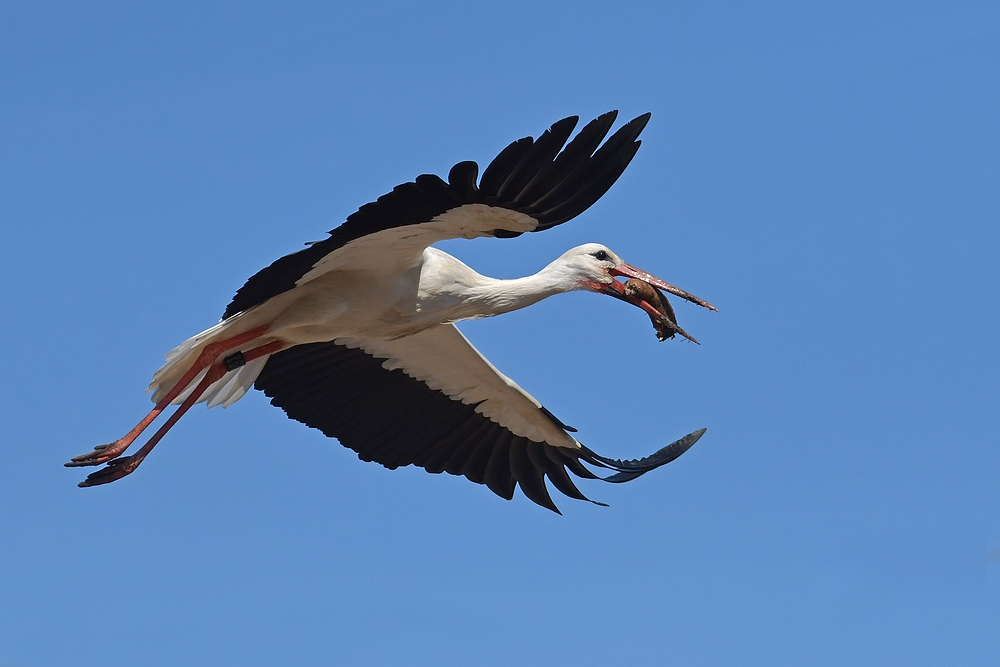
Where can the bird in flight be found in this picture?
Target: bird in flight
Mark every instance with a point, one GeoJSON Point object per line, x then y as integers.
{"type": "Point", "coordinates": [355, 336]}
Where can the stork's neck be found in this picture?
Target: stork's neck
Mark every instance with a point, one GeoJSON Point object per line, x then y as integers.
{"type": "Point", "coordinates": [457, 292]}
{"type": "Point", "coordinates": [502, 296]}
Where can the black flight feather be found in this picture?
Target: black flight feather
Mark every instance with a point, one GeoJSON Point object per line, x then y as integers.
{"type": "Point", "coordinates": [388, 417]}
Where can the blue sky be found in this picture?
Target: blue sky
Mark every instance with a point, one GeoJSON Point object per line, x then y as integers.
{"type": "Point", "coordinates": [825, 174]}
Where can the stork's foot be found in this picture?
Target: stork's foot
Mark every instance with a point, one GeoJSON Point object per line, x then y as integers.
{"type": "Point", "coordinates": [101, 454]}
{"type": "Point", "coordinates": [116, 469]}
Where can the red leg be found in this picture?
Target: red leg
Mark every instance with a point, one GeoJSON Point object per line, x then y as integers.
{"type": "Point", "coordinates": [209, 354]}
{"type": "Point", "coordinates": [120, 467]}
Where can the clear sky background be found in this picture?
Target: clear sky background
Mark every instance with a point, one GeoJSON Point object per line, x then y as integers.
{"type": "Point", "coordinates": [825, 174]}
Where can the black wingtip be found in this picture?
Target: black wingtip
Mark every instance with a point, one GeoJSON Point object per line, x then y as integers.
{"type": "Point", "coordinates": [638, 124]}
{"type": "Point", "coordinates": [564, 125]}
{"type": "Point", "coordinates": [629, 470]}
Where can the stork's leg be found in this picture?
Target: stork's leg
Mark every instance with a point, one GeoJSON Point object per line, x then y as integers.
{"type": "Point", "coordinates": [118, 468]}
{"type": "Point", "coordinates": [104, 453]}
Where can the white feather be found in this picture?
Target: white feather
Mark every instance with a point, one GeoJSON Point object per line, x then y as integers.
{"type": "Point", "coordinates": [446, 361]}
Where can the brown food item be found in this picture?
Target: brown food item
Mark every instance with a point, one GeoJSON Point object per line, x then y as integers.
{"type": "Point", "coordinates": [664, 320]}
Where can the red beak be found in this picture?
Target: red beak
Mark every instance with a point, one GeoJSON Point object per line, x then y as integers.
{"type": "Point", "coordinates": [632, 272]}
{"type": "Point", "coordinates": [664, 321]}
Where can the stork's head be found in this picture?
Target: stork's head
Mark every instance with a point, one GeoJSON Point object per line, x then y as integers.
{"type": "Point", "coordinates": [596, 268]}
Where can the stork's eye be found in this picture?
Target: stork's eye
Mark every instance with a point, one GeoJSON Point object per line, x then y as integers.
{"type": "Point", "coordinates": [600, 255]}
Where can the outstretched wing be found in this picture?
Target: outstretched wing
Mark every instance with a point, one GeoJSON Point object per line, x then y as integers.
{"type": "Point", "coordinates": [434, 401]}
{"type": "Point", "coordinates": [530, 186]}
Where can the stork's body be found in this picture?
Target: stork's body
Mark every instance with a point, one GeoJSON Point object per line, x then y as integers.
{"type": "Point", "coordinates": [380, 293]}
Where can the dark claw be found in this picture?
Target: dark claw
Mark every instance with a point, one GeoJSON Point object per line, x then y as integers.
{"type": "Point", "coordinates": [101, 454]}
{"type": "Point", "coordinates": [667, 329]}
{"type": "Point", "coordinates": [115, 469]}
{"type": "Point", "coordinates": [658, 307]}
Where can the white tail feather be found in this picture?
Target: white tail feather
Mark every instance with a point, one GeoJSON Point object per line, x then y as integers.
{"type": "Point", "coordinates": [229, 389]}
{"type": "Point", "coordinates": [239, 383]}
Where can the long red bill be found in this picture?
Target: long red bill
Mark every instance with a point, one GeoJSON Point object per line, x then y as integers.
{"type": "Point", "coordinates": [663, 322]}
{"type": "Point", "coordinates": [632, 272]}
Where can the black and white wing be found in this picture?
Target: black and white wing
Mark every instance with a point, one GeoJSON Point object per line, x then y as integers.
{"type": "Point", "coordinates": [434, 401]}
{"type": "Point", "coordinates": [530, 186]}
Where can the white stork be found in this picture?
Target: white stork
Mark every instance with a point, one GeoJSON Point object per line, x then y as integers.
{"type": "Point", "coordinates": [355, 334]}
